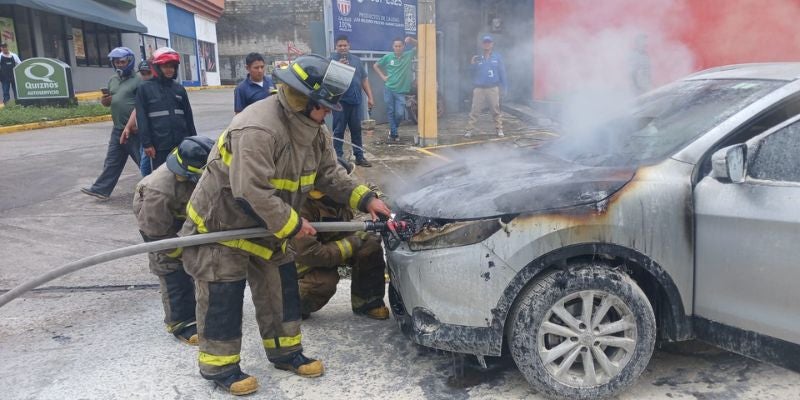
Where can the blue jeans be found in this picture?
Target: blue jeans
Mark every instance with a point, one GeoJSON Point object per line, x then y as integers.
{"type": "Point", "coordinates": [350, 116]}
{"type": "Point", "coordinates": [395, 109]}
{"type": "Point", "coordinates": [116, 157]}
{"type": "Point", "coordinates": [7, 90]}
{"type": "Point", "coordinates": [145, 166]}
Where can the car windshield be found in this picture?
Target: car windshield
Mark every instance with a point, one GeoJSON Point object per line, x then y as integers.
{"type": "Point", "coordinates": [661, 122]}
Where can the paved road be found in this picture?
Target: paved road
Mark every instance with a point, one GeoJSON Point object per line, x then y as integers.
{"type": "Point", "coordinates": [97, 334]}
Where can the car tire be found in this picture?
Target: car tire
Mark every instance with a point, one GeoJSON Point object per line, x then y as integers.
{"type": "Point", "coordinates": [554, 351]}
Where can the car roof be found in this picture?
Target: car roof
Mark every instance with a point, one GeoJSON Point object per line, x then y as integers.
{"type": "Point", "coordinates": [786, 71]}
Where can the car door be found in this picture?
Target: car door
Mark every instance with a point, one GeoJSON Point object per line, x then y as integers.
{"type": "Point", "coordinates": [747, 255]}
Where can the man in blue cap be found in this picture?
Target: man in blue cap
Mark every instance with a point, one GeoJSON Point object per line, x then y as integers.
{"type": "Point", "coordinates": [489, 79]}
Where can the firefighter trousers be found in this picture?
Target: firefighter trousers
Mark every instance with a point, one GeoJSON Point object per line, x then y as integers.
{"type": "Point", "coordinates": [318, 285]}
{"type": "Point", "coordinates": [177, 289]}
{"type": "Point", "coordinates": [220, 275]}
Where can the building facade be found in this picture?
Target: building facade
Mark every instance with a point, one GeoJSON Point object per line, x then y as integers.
{"type": "Point", "coordinates": [269, 27]}
{"type": "Point", "coordinates": [81, 33]}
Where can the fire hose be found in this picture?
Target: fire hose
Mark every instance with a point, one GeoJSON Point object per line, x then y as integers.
{"type": "Point", "coordinates": [391, 230]}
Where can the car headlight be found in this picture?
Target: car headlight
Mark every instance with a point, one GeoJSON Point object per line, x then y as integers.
{"type": "Point", "coordinates": [453, 234]}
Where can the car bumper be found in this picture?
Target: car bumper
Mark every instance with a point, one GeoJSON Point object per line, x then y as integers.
{"type": "Point", "coordinates": [444, 298]}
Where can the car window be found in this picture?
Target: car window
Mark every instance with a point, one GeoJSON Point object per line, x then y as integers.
{"type": "Point", "coordinates": [778, 156]}
{"type": "Point", "coordinates": [758, 125]}
{"type": "Point", "coordinates": [661, 122]}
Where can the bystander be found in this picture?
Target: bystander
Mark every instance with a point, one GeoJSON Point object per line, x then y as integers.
{"type": "Point", "coordinates": [256, 86]}
{"type": "Point", "coordinates": [8, 61]}
{"type": "Point", "coordinates": [120, 96]}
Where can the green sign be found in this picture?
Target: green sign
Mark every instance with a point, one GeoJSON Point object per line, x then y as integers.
{"type": "Point", "coordinates": [42, 78]}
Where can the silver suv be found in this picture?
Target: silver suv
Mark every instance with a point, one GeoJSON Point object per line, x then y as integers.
{"type": "Point", "coordinates": [677, 220]}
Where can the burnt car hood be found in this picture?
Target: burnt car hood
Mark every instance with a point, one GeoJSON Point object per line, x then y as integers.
{"type": "Point", "coordinates": [514, 184]}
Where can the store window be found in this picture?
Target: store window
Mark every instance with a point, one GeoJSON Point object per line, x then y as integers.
{"type": "Point", "coordinates": [54, 37]}
{"type": "Point", "coordinates": [148, 44]}
{"type": "Point", "coordinates": [208, 56]}
{"type": "Point", "coordinates": [187, 48]}
{"type": "Point", "coordinates": [93, 42]}
{"type": "Point", "coordinates": [15, 30]}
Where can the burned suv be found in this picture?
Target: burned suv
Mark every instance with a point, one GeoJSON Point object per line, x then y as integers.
{"type": "Point", "coordinates": [676, 220]}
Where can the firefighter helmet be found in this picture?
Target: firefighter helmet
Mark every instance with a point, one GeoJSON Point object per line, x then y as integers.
{"type": "Point", "coordinates": [189, 158]}
{"type": "Point", "coordinates": [320, 80]}
{"type": "Point", "coordinates": [122, 53]}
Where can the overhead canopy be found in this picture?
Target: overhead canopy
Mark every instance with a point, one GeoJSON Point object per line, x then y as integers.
{"type": "Point", "coordinates": [86, 10]}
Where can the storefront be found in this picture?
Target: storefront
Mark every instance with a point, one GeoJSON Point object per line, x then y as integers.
{"type": "Point", "coordinates": [183, 38]}
{"type": "Point", "coordinates": [80, 33]}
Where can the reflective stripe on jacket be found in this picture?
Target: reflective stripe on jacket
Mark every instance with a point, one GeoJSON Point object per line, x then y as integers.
{"type": "Point", "coordinates": [163, 114]}
{"type": "Point", "coordinates": [329, 249]}
{"type": "Point", "coordinates": [159, 203]}
{"type": "Point", "coordinates": [261, 171]}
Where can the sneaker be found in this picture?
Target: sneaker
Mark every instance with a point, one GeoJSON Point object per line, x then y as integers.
{"type": "Point", "coordinates": [94, 194]}
{"type": "Point", "coordinates": [468, 134]}
{"type": "Point", "coordinates": [363, 162]}
{"type": "Point", "coordinates": [238, 384]}
{"type": "Point", "coordinates": [300, 365]}
{"type": "Point", "coordinates": [379, 313]}
{"type": "Point", "coordinates": [500, 133]}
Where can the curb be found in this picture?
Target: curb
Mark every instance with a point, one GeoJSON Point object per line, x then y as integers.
{"type": "Point", "coordinates": [85, 96]}
{"type": "Point", "coordinates": [51, 124]}
{"type": "Point", "coordinates": [95, 95]}
{"type": "Point", "coordinates": [196, 88]}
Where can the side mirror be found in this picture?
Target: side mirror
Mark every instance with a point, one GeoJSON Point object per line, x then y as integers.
{"type": "Point", "coordinates": [727, 165]}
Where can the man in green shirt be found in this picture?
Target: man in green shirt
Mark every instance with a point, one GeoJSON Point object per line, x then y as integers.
{"type": "Point", "coordinates": [395, 70]}
{"type": "Point", "coordinates": [121, 97]}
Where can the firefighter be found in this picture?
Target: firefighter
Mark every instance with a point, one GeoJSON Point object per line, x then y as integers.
{"type": "Point", "coordinates": [259, 174]}
{"type": "Point", "coordinates": [159, 203]}
{"type": "Point", "coordinates": [318, 258]}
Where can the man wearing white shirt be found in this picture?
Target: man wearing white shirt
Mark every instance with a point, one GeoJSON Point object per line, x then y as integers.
{"type": "Point", "coordinates": [8, 61]}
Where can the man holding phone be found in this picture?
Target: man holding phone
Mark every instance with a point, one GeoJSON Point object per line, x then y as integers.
{"type": "Point", "coordinates": [120, 95]}
{"type": "Point", "coordinates": [351, 101]}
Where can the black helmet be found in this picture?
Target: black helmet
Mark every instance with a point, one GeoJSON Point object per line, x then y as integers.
{"type": "Point", "coordinates": [321, 80]}
{"type": "Point", "coordinates": [144, 66]}
{"type": "Point", "coordinates": [189, 158]}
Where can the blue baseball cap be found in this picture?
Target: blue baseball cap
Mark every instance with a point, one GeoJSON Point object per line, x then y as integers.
{"type": "Point", "coordinates": [487, 38]}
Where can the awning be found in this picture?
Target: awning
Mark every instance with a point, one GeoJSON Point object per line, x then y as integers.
{"type": "Point", "coordinates": [86, 10]}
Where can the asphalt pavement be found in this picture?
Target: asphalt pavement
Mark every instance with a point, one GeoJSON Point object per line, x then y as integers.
{"type": "Point", "coordinates": [98, 333]}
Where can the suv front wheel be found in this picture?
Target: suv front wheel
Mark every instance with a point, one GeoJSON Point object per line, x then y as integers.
{"type": "Point", "coordinates": [583, 333]}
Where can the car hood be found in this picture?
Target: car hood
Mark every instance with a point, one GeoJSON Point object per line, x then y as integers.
{"type": "Point", "coordinates": [515, 184]}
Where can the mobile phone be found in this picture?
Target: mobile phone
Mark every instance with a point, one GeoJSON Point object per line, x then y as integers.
{"type": "Point", "coordinates": [104, 91]}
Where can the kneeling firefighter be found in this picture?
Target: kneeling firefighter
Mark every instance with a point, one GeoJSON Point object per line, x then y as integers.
{"type": "Point", "coordinates": [318, 258]}
{"type": "Point", "coordinates": [159, 203]}
{"type": "Point", "coordinates": [259, 173]}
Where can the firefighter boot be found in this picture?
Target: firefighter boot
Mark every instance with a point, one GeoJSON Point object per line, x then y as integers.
{"type": "Point", "coordinates": [300, 365]}
{"type": "Point", "coordinates": [238, 384]}
{"type": "Point", "coordinates": [380, 312]}
{"type": "Point", "coordinates": [186, 333]}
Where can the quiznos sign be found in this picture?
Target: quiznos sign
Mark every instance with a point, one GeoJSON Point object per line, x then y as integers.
{"type": "Point", "coordinates": [43, 78]}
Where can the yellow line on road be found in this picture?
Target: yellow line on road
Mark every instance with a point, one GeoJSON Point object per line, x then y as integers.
{"type": "Point", "coordinates": [424, 150]}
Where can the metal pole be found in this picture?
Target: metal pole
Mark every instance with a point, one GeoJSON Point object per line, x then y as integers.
{"type": "Point", "coordinates": [184, 241]}
{"type": "Point", "coordinates": [427, 123]}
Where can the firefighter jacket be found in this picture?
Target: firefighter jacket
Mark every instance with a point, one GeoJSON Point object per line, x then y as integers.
{"type": "Point", "coordinates": [163, 114]}
{"type": "Point", "coordinates": [159, 203]}
{"type": "Point", "coordinates": [329, 249]}
{"type": "Point", "coordinates": [260, 172]}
